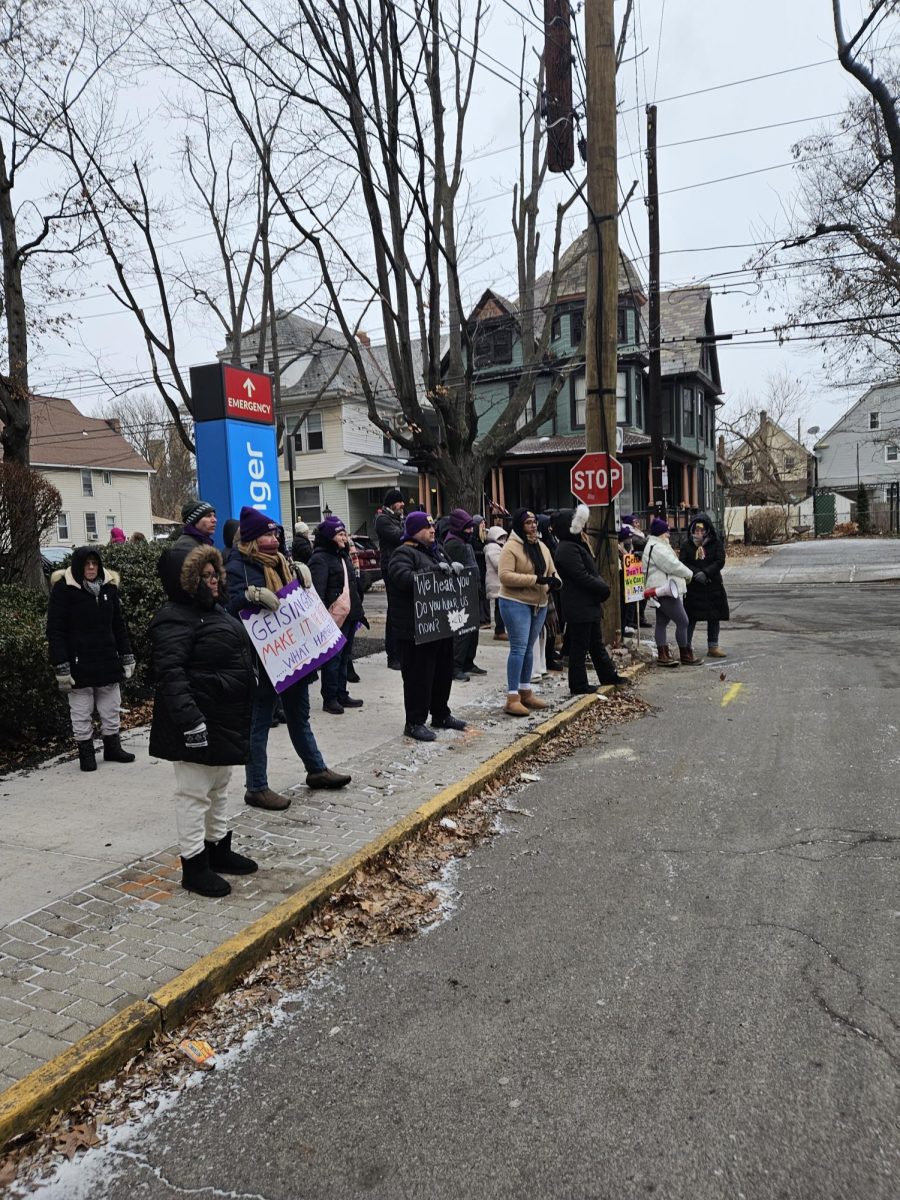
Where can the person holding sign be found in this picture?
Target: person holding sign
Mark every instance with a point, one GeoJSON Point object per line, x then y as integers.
{"type": "Point", "coordinates": [427, 666]}
{"type": "Point", "coordinates": [459, 549]}
{"type": "Point", "coordinates": [527, 575]}
{"type": "Point", "coordinates": [585, 591]}
{"type": "Point", "coordinates": [256, 574]}
{"type": "Point", "coordinates": [205, 682]}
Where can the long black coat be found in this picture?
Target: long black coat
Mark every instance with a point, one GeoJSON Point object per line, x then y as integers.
{"type": "Point", "coordinates": [327, 569]}
{"type": "Point", "coordinates": [407, 561]}
{"type": "Point", "coordinates": [389, 532]}
{"type": "Point", "coordinates": [584, 589]}
{"type": "Point", "coordinates": [703, 601]}
{"type": "Point", "coordinates": [205, 670]}
{"type": "Point", "coordinates": [87, 632]}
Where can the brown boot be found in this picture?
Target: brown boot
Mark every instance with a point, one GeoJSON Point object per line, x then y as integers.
{"type": "Point", "coordinates": [514, 706]}
{"type": "Point", "coordinates": [529, 699]}
{"type": "Point", "coordinates": [687, 657]}
{"type": "Point", "coordinates": [664, 658]}
{"type": "Point", "coordinates": [268, 799]}
{"type": "Point", "coordinates": [715, 652]}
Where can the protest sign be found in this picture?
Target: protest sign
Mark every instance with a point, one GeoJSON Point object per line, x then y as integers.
{"type": "Point", "coordinates": [296, 639]}
{"type": "Point", "coordinates": [634, 578]}
{"type": "Point", "coordinates": [445, 604]}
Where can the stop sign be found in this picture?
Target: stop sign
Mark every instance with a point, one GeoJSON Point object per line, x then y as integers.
{"type": "Point", "coordinates": [597, 479]}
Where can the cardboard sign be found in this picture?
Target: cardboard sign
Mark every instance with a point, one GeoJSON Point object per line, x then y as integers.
{"type": "Point", "coordinates": [296, 639]}
{"type": "Point", "coordinates": [634, 578]}
{"type": "Point", "coordinates": [445, 604]}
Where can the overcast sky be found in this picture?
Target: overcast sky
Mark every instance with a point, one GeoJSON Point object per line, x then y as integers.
{"type": "Point", "coordinates": [687, 45]}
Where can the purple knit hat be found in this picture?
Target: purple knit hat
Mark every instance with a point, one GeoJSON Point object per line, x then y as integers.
{"type": "Point", "coordinates": [459, 520]}
{"type": "Point", "coordinates": [254, 524]}
{"type": "Point", "coordinates": [329, 527]}
{"type": "Point", "coordinates": [415, 523]}
{"type": "Point", "coordinates": [658, 527]}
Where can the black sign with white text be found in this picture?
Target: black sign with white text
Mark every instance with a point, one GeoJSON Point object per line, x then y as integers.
{"type": "Point", "coordinates": [445, 604]}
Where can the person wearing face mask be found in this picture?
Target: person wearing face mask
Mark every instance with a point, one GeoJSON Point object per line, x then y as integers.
{"type": "Point", "coordinates": [205, 683]}
{"type": "Point", "coordinates": [458, 548]}
{"type": "Point", "coordinates": [527, 576]}
{"type": "Point", "coordinates": [706, 598]}
{"type": "Point", "coordinates": [198, 526]}
{"type": "Point", "coordinates": [255, 575]}
{"type": "Point", "coordinates": [661, 566]}
{"type": "Point", "coordinates": [427, 667]}
{"type": "Point", "coordinates": [90, 652]}
{"type": "Point", "coordinates": [336, 580]}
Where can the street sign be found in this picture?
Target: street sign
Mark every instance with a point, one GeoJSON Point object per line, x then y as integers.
{"type": "Point", "coordinates": [220, 392]}
{"type": "Point", "coordinates": [596, 479]}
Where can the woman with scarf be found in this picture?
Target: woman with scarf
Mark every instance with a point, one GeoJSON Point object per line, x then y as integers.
{"type": "Point", "coordinates": [198, 526]}
{"type": "Point", "coordinates": [527, 576]}
{"type": "Point", "coordinates": [336, 580]}
{"type": "Point", "coordinates": [459, 549]}
{"type": "Point", "coordinates": [427, 667]}
{"type": "Point", "coordinates": [256, 573]}
{"type": "Point", "coordinates": [705, 599]}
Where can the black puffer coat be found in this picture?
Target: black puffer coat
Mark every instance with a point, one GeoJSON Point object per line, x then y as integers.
{"type": "Point", "coordinates": [389, 532]}
{"type": "Point", "coordinates": [703, 601]}
{"type": "Point", "coordinates": [584, 589]}
{"type": "Point", "coordinates": [87, 632]}
{"type": "Point", "coordinates": [406, 562]}
{"type": "Point", "coordinates": [169, 565]}
{"type": "Point", "coordinates": [205, 671]}
{"type": "Point", "coordinates": [327, 569]}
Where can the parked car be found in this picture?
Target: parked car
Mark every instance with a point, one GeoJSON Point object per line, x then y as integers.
{"type": "Point", "coordinates": [366, 557]}
{"type": "Point", "coordinates": [53, 557]}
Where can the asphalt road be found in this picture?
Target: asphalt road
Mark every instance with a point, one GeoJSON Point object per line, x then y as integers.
{"type": "Point", "coordinates": [677, 976]}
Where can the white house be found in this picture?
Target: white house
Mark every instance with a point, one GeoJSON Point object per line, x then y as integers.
{"type": "Point", "coordinates": [863, 447]}
{"type": "Point", "coordinates": [334, 458]}
{"type": "Point", "coordinates": [103, 481]}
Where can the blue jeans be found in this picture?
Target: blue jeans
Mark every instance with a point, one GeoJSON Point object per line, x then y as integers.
{"type": "Point", "coordinates": [296, 709]}
{"type": "Point", "coordinates": [523, 624]}
{"type": "Point", "coordinates": [712, 632]}
{"type": "Point", "coordinates": [334, 672]}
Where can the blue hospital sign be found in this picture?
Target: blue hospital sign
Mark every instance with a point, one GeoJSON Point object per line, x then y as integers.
{"type": "Point", "coordinates": [234, 431]}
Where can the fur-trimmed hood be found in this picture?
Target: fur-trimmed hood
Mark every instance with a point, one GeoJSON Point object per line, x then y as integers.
{"type": "Point", "coordinates": [190, 575]}
{"type": "Point", "coordinates": [569, 523]}
{"type": "Point", "coordinates": [74, 572]}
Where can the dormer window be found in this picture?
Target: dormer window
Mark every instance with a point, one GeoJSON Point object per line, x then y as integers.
{"type": "Point", "coordinates": [493, 347]}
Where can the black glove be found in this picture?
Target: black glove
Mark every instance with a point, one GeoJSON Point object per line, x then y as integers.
{"type": "Point", "coordinates": [544, 580]}
{"type": "Point", "coordinates": [363, 621]}
{"type": "Point", "coordinates": [700, 577]}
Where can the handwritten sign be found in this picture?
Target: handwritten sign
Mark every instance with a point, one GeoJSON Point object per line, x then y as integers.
{"type": "Point", "coordinates": [445, 604]}
{"type": "Point", "coordinates": [634, 578]}
{"type": "Point", "coordinates": [296, 639]}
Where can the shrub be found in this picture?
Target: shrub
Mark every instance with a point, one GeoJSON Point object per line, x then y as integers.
{"type": "Point", "coordinates": [141, 593]}
{"type": "Point", "coordinates": [766, 526]}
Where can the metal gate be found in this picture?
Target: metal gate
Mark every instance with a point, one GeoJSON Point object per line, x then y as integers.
{"type": "Point", "coordinates": [824, 513]}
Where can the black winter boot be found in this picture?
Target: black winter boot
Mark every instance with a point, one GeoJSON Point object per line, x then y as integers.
{"type": "Point", "coordinates": [196, 876]}
{"type": "Point", "coordinates": [86, 756]}
{"type": "Point", "coordinates": [113, 752]}
{"type": "Point", "coordinates": [223, 858]}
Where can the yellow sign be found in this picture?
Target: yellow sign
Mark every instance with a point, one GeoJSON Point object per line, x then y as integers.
{"type": "Point", "coordinates": [634, 578]}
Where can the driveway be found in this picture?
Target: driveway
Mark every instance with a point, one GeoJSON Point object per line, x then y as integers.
{"type": "Point", "coordinates": [844, 560]}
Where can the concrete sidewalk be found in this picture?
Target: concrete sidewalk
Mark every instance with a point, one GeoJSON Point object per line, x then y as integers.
{"type": "Point", "coordinates": [92, 914]}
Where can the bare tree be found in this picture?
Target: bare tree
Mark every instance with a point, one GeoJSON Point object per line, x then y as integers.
{"type": "Point", "coordinates": [766, 460]}
{"type": "Point", "coordinates": [28, 502]}
{"type": "Point", "coordinates": [845, 242]}
{"type": "Point", "coordinates": [147, 425]}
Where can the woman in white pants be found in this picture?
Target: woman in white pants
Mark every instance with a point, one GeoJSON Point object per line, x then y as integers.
{"type": "Point", "coordinates": [205, 682]}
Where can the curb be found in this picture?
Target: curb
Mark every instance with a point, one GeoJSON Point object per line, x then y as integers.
{"type": "Point", "coordinates": [98, 1055]}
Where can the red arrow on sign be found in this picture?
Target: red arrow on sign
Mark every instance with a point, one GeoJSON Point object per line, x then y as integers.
{"type": "Point", "coordinates": [597, 479]}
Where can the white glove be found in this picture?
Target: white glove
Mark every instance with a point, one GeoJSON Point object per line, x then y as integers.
{"type": "Point", "coordinates": [128, 665]}
{"type": "Point", "coordinates": [195, 739]}
{"type": "Point", "coordinates": [263, 596]}
{"type": "Point", "coordinates": [445, 567]}
{"type": "Point", "coordinates": [64, 680]}
{"type": "Point", "coordinates": [304, 576]}
{"type": "Point", "coordinates": [457, 568]}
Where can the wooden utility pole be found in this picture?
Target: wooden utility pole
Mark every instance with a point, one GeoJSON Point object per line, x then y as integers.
{"type": "Point", "coordinates": [558, 68]}
{"type": "Point", "coordinates": [654, 395]}
{"type": "Point", "coordinates": [602, 292]}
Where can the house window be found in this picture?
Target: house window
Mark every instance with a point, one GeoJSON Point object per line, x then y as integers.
{"type": "Point", "coordinates": [891, 453]}
{"type": "Point", "coordinates": [308, 502]}
{"type": "Point", "coordinates": [638, 402]}
{"type": "Point", "coordinates": [107, 478]}
{"type": "Point", "coordinates": [87, 483]}
{"type": "Point", "coordinates": [748, 470]}
{"type": "Point", "coordinates": [62, 526]}
{"type": "Point", "coordinates": [527, 412]}
{"type": "Point", "coordinates": [493, 347]}
{"type": "Point", "coordinates": [874, 420]}
{"type": "Point", "coordinates": [668, 412]}
{"type": "Point", "coordinates": [555, 329]}
{"type": "Point", "coordinates": [689, 417]}
{"type": "Point", "coordinates": [701, 418]}
{"type": "Point", "coordinates": [110, 523]}
{"type": "Point", "coordinates": [789, 463]}
{"type": "Point", "coordinates": [622, 336]}
{"type": "Point", "coordinates": [622, 398]}
{"type": "Point", "coordinates": [576, 327]}
{"type": "Point", "coordinates": [578, 402]}
{"type": "Point", "coordinates": [311, 434]}
{"type": "Point", "coordinates": [386, 444]}
{"type": "Point", "coordinates": [90, 526]}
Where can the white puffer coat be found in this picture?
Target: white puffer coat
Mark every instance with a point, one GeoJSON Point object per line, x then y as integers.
{"type": "Point", "coordinates": [661, 564]}
{"type": "Point", "coordinates": [496, 536]}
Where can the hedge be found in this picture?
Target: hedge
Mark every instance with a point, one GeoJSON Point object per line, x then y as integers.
{"type": "Point", "coordinates": [32, 708]}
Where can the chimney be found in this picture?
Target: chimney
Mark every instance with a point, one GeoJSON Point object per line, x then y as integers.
{"type": "Point", "coordinates": [363, 339]}
{"type": "Point", "coordinates": [721, 453]}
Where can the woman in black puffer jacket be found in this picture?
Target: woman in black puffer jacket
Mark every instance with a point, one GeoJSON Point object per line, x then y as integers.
{"type": "Point", "coordinates": [584, 591]}
{"type": "Point", "coordinates": [337, 581]}
{"type": "Point", "coordinates": [205, 673]}
{"type": "Point", "coordinates": [90, 652]}
{"type": "Point", "coordinates": [705, 599]}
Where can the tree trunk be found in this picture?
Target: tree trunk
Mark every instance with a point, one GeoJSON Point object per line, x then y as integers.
{"type": "Point", "coordinates": [462, 484]}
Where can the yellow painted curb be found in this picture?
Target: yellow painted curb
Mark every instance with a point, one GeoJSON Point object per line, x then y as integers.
{"type": "Point", "coordinates": [100, 1054]}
